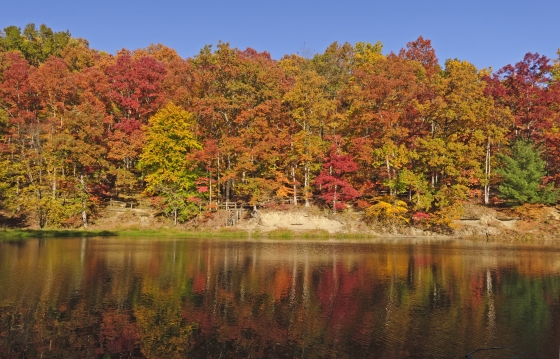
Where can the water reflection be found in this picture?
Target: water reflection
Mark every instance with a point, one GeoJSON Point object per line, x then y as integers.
{"type": "Point", "coordinates": [211, 298]}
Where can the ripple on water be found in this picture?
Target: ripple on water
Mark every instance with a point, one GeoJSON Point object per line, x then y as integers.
{"type": "Point", "coordinates": [376, 299]}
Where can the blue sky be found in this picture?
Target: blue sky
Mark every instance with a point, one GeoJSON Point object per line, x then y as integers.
{"type": "Point", "coordinates": [486, 33]}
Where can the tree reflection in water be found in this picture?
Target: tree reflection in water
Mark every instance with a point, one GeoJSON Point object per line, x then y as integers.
{"type": "Point", "coordinates": [211, 298]}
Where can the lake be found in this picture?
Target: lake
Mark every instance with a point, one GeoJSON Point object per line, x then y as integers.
{"type": "Point", "coordinates": [204, 298]}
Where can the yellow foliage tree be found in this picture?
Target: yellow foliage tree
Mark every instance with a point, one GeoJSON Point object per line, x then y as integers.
{"type": "Point", "coordinates": [168, 140]}
{"type": "Point", "coordinates": [311, 111]}
{"type": "Point", "coordinates": [366, 53]}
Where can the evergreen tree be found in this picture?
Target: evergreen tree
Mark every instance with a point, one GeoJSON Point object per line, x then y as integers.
{"type": "Point", "coordinates": [523, 174]}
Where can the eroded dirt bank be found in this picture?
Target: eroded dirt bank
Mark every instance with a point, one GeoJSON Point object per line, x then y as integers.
{"type": "Point", "coordinates": [533, 222]}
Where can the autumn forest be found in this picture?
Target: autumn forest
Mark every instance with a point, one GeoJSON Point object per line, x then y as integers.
{"type": "Point", "coordinates": [398, 136]}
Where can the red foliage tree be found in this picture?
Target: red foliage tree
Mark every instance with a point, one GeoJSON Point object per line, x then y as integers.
{"type": "Point", "coordinates": [136, 86]}
{"type": "Point", "coordinates": [16, 94]}
{"type": "Point", "coordinates": [55, 88]}
{"type": "Point", "coordinates": [523, 88]}
{"type": "Point", "coordinates": [332, 181]}
{"type": "Point", "coordinates": [421, 50]}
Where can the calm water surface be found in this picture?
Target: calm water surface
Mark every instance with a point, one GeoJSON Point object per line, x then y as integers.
{"type": "Point", "coordinates": [119, 298]}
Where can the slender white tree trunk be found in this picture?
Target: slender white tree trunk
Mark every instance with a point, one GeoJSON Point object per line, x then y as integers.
{"type": "Point", "coordinates": [295, 187]}
{"type": "Point", "coordinates": [487, 170]}
{"type": "Point", "coordinates": [84, 213]}
{"type": "Point", "coordinates": [54, 184]}
{"type": "Point", "coordinates": [306, 184]}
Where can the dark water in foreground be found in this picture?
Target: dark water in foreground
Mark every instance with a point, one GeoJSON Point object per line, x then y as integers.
{"type": "Point", "coordinates": [119, 298]}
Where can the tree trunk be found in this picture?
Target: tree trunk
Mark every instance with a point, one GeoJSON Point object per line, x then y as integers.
{"type": "Point", "coordinates": [42, 218]}
{"type": "Point", "coordinates": [228, 182]}
{"type": "Point", "coordinates": [306, 184]}
{"type": "Point", "coordinates": [389, 174]}
{"type": "Point", "coordinates": [334, 200]}
{"type": "Point", "coordinates": [487, 170]}
{"type": "Point", "coordinates": [84, 213]}
{"type": "Point", "coordinates": [433, 129]}
{"type": "Point", "coordinates": [54, 184]}
{"type": "Point", "coordinates": [334, 194]}
{"type": "Point", "coordinates": [210, 187]}
{"type": "Point", "coordinates": [218, 186]}
{"type": "Point", "coordinates": [388, 167]}
{"type": "Point", "coordinates": [294, 182]}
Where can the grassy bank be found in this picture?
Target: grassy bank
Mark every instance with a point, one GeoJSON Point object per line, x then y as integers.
{"type": "Point", "coordinates": [11, 234]}
{"type": "Point", "coordinates": [310, 234]}
{"type": "Point", "coordinates": [14, 234]}
{"type": "Point", "coordinates": [538, 237]}
{"type": "Point", "coordinates": [178, 233]}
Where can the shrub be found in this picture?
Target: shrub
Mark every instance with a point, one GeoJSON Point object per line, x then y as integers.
{"type": "Point", "coordinates": [387, 212]}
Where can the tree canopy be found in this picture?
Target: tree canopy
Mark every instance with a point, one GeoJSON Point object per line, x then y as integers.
{"type": "Point", "coordinates": [349, 127]}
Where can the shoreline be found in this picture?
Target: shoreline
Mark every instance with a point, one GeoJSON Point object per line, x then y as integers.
{"type": "Point", "coordinates": [7, 235]}
{"type": "Point", "coordinates": [539, 225]}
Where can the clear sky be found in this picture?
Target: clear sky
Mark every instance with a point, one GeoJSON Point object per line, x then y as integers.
{"type": "Point", "coordinates": [486, 33]}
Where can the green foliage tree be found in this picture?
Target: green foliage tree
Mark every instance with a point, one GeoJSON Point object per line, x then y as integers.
{"type": "Point", "coordinates": [169, 138]}
{"type": "Point", "coordinates": [36, 45]}
{"type": "Point", "coordinates": [523, 173]}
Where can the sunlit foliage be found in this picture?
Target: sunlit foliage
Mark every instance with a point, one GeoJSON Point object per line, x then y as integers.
{"type": "Point", "coordinates": [80, 126]}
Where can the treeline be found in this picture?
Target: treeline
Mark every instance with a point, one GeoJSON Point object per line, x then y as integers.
{"type": "Point", "coordinates": [395, 134]}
